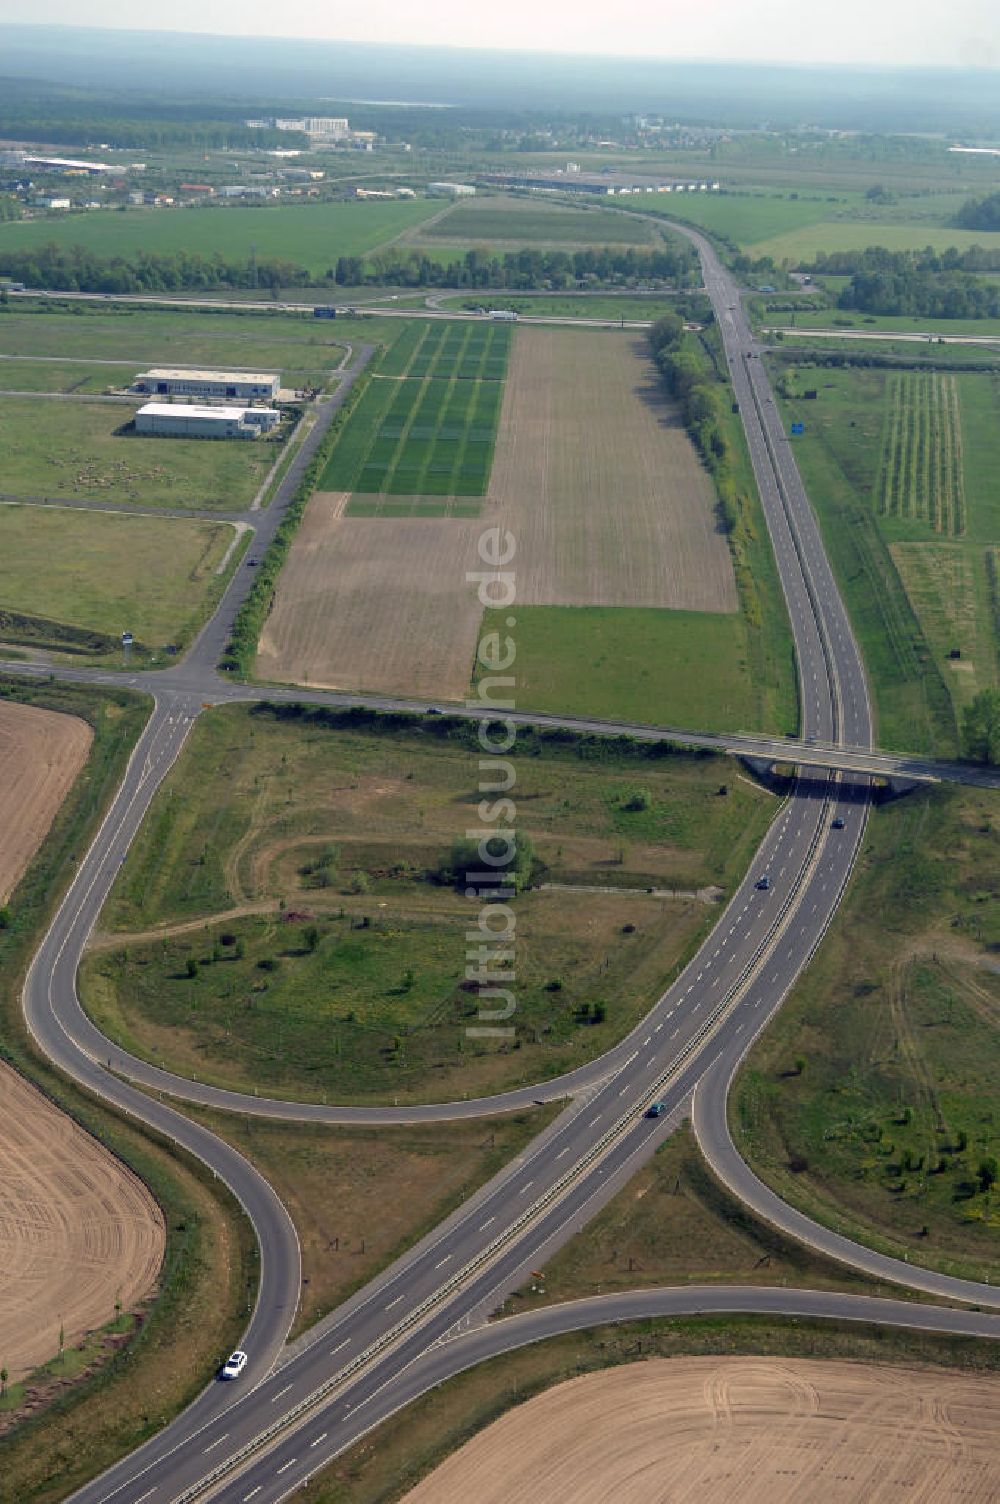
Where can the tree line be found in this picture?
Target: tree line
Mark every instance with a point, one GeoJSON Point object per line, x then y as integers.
{"type": "Point", "coordinates": [518, 270]}
{"type": "Point", "coordinates": [918, 284]}
{"type": "Point", "coordinates": [74, 268]}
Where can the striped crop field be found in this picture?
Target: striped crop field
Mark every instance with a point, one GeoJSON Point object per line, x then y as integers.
{"type": "Point", "coordinates": [418, 438]}
{"type": "Point", "coordinates": [466, 350]}
{"type": "Point", "coordinates": [921, 472]}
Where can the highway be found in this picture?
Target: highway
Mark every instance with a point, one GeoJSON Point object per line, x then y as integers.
{"type": "Point", "coordinates": [689, 1042]}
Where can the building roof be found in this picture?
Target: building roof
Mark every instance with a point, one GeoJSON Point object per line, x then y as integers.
{"type": "Point", "coordinates": [192, 410]}
{"type": "Point", "coordinates": [167, 373]}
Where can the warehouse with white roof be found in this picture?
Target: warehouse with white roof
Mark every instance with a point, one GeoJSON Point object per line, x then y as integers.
{"type": "Point", "coordinates": [186, 420]}
{"type": "Point", "coordinates": [248, 386]}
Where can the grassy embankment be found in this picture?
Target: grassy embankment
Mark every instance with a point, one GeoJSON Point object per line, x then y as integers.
{"type": "Point", "coordinates": [123, 1392]}
{"type": "Point", "coordinates": [328, 957]}
{"type": "Point", "coordinates": [872, 1100]}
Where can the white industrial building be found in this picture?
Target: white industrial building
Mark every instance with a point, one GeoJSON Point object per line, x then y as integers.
{"type": "Point", "coordinates": [185, 420]}
{"type": "Point", "coordinates": [251, 386]}
{"type": "Point", "coordinates": [450, 190]}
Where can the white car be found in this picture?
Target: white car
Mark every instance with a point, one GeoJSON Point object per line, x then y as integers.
{"type": "Point", "coordinates": [234, 1365]}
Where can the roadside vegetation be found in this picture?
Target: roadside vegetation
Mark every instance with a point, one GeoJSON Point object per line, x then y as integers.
{"type": "Point", "coordinates": [321, 951]}
{"type": "Point", "coordinates": [871, 1102]}
{"type": "Point", "coordinates": [95, 1402]}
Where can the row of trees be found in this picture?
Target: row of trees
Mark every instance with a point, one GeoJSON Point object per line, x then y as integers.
{"type": "Point", "coordinates": [74, 269]}
{"type": "Point", "coordinates": [875, 258]}
{"type": "Point", "coordinates": [518, 270]}
{"type": "Point", "coordinates": [920, 284]}
{"type": "Point", "coordinates": [696, 393]}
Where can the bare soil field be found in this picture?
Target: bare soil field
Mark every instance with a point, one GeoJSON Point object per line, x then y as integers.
{"type": "Point", "coordinates": [600, 484]}
{"type": "Point", "coordinates": [593, 474]}
{"type": "Point", "coordinates": [372, 604]}
{"type": "Point", "coordinates": [746, 1430]}
{"type": "Point", "coordinates": [78, 1231]}
{"type": "Point", "coordinates": [41, 752]}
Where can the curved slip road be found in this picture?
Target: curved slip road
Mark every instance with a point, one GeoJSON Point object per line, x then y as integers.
{"type": "Point", "coordinates": [322, 1436]}
{"type": "Point", "coordinates": [739, 978]}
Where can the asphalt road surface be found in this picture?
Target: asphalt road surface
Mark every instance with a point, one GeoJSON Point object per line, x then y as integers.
{"type": "Point", "coordinates": [694, 1034]}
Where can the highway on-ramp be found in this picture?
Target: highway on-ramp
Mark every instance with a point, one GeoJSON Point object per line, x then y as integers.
{"type": "Point", "coordinates": [704, 1022]}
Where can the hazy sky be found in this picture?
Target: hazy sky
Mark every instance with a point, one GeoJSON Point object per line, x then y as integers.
{"type": "Point", "coordinates": [849, 31]}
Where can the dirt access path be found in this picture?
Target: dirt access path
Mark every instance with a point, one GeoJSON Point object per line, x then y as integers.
{"type": "Point", "coordinates": [737, 1431]}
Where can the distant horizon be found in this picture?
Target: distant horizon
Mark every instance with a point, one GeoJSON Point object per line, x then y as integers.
{"type": "Point", "coordinates": [948, 47]}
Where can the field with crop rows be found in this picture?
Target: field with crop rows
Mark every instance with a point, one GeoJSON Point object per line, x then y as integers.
{"type": "Point", "coordinates": [469, 351]}
{"type": "Point", "coordinates": [519, 221]}
{"type": "Point", "coordinates": [921, 474]}
{"type": "Point", "coordinates": [418, 438]}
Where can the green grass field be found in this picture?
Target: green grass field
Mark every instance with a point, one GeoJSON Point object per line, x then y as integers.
{"type": "Point", "coordinates": [747, 218]}
{"type": "Point", "coordinates": [577, 306]}
{"type": "Point", "coordinates": [521, 221]}
{"type": "Point", "coordinates": [107, 573]}
{"type": "Point", "coordinates": [883, 1130]}
{"type": "Point", "coordinates": [23, 375]}
{"type": "Point", "coordinates": [139, 337]}
{"type": "Point", "coordinates": [355, 986]}
{"type": "Point", "coordinates": [801, 245]}
{"type": "Point", "coordinates": [898, 465]}
{"type": "Point", "coordinates": [668, 668]}
{"type": "Point", "coordinates": [311, 235]}
{"type": "Point", "coordinates": [839, 318]}
{"type": "Point", "coordinates": [78, 449]}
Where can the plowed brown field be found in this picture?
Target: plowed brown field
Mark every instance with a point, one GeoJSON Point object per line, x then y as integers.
{"type": "Point", "coordinates": [372, 604]}
{"type": "Point", "coordinates": [599, 482]}
{"type": "Point", "coordinates": [593, 474]}
{"type": "Point", "coordinates": [736, 1431]}
{"type": "Point", "coordinates": [41, 753]}
{"type": "Point", "coordinates": [78, 1231]}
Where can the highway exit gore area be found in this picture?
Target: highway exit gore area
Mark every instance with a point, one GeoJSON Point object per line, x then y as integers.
{"type": "Point", "coordinates": [325, 939]}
